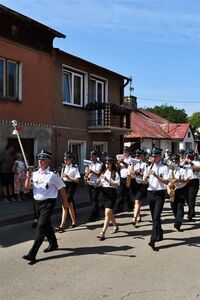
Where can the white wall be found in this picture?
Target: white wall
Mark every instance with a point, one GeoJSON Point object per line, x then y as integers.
{"type": "Point", "coordinates": [188, 139]}
{"type": "Point", "coordinates": [146, 144]}
{"type": "Point", "coordinates": [166, 144]}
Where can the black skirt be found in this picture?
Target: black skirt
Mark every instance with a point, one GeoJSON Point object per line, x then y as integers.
{"type": "Point", "coordinates": [70, 188]}
{"type": "Point", "coordinates": [138, 190]}
{"type": "Point", "coordinates": [109, 196]}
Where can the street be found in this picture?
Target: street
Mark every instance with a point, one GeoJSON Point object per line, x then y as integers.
{"type": "Point", "coordinates": [121, 267]}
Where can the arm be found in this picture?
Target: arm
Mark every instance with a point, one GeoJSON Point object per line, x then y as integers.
{"type": "Point", "coordinates": [28, 181]}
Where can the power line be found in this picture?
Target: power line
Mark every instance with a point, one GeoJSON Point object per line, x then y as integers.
{"type": "Point", "coordinates": [168, 101]}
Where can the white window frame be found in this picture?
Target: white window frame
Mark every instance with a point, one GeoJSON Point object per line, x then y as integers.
{"type": "Point", "coordinates": [83, 152]}
{"type": "Point", "coordinates": [18, 79]}
{"type": "Point", "coordinates": [4, 77]}
{"type": "Point", "coordinates": [79, 73]}
{"type": "Point", "coordinates": [104, 144]}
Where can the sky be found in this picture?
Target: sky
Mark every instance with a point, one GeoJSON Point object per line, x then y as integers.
{"type": "Point", "coordinates": [156, 42]}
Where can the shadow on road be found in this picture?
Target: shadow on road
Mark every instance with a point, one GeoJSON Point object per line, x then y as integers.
{"type": "Point", "coordinates": [103, 250]}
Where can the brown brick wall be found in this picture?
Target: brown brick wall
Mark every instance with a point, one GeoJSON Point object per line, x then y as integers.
{"type": "Point", "coordinates": [35, 106]}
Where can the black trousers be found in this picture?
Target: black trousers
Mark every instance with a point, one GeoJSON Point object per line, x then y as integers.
{"type": "Point", "coordinates": [44, 210]}
{"type": "Point", "coordinates": [94, 193]}
{"type": "Point", "coordinates": [123, 196]}
{"type": "Point", "coordinates": [193, 188]}
{"type": "Point", "coordinates": [156, 203]}
{"type": "Point", "coordinates": [178, 205]}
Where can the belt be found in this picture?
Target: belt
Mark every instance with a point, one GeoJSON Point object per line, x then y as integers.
{"type": "Point", "coordinates": [45, 201]}
{"type": "Point", "coordinates": [157, 192]}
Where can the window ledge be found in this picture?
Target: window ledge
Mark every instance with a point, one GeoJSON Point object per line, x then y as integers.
{"type": "Point", "coordinates": [72, 105]}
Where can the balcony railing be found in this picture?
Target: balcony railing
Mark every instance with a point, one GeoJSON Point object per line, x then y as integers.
{"type": "Point", "coordinates": [105, 118]}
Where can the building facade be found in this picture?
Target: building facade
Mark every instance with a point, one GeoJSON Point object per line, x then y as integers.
{"type": "Point", "coordinates": [49, 92]}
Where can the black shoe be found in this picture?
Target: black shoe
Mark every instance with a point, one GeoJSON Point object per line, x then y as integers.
{"type": "Point", "coordinates": [29, 258]}
{"type": "Point", "coordinates": [72, 226]}
{"type": "Point", "coordinates": [152, 245]}
{"type": "Point", "coordinates": [177, 226]}
{"type": "Point", "coordinates": [59, 229]}
{"type": "Point", "coordinates": [190, 219]}
{"type": "Point", "coordinates": [51, 248]}
{"type": "Point", "coordinates": [91, 219]}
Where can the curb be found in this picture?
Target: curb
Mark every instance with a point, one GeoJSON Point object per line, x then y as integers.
{"type": "Point", "coordinates": [30, 216]}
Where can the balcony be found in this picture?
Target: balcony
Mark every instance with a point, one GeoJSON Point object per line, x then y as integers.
{"type": "Point", "coordinates": [109, 119]}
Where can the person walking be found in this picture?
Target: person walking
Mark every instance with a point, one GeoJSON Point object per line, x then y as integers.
{"type": "Point", "coordinates": [71, 177]}
{"type": "Point", "coordinates": [109, 181]}
{"type": "Point", "coordinates": [46, 183]}
{"type": "Point", "coordinates": [158, 177]}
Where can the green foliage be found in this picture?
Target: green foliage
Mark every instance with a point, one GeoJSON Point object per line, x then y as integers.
{"type": "Point", "coordinates": [170, 113]}
{"type": "Point", "coordinates": [194, 120]}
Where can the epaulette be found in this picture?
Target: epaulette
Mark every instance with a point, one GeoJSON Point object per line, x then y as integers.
{"type": "Point", "coordinates": [52, 170]}
{"type": "Point", "coordinates": [75, 165]}
{"type": "Point", "coordinates": [36, 169]}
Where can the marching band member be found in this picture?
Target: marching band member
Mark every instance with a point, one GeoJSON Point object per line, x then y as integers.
{"type": "Point", "coordinates": [181, 152]}
{"type": "Point", "coordinates": [124, 190]}
{"type": "Point", "coordinates": [158, 178]}
{"type": "Point", "coordinates": [109, 180]}
{"type": "Point", "coordinates": [92, 173]}
{"type": "Point", "coordinates": [71, 177]}
{"type": "Point", "coordinates": [138, 186]}
{"type": "Point", "coordinates": [193, 185]}
{"type": "Point", "coordinates": [179, 177]}
{"type": "Point", "coordinates": [46, 183]}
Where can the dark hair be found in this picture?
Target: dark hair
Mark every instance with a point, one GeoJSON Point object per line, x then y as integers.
{"type": "Point", "coordinates": [113, 171]}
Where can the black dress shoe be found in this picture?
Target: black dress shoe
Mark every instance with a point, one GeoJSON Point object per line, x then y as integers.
{"type": "Point", "coordinates": [152, 245]}
{"type": "Point", "coordinates": [29, 258]}
{"type": "Point", "coordinates": [177, 226]}
{"type": "Point", "coordinates": [51, 248]}
{"type": "Point", "coordinates": [35, 224]}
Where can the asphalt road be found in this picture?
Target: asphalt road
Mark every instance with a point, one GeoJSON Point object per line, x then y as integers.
{"type": "Point", "coordinates": [121, 267]}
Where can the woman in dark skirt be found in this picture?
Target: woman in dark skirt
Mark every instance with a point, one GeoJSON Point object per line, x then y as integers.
{"type": "Point", "coordinates": [109, 181]}
{"type": "Point", "coordinates": [71, 176]}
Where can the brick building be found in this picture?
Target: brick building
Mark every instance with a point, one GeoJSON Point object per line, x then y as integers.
{"type": "Point", "coordinates": [47, 90]}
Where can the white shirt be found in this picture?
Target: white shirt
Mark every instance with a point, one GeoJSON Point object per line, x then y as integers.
{"type": "Point", "coordinates": [72, 171]}
{"type": "Point", "coordinates": [192, 173]}
{"type": "Point", "coordinates": [141, 168]}
{"type": "Point", "coordinates": [163, 172]}
{"type": "Point", "coordinates": [123, 168]}
{"type": "Point", "coordinates": [179, 173]}
{"type": "Point", "coordinates": [107, 174]}
{"type": "Point", "coordinates": [96, 167]}
{"type": "Point", "coordinates": [46, 184]}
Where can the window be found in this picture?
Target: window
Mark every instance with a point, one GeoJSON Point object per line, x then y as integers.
{"type": "Point", "coordinates": [100, 146]}
{"type": "Point", "coordinates": [189, 134]}
{"type": "Point", "coordinates": [97, 91]}
{"type": "Point", "coordinates": [9, 79]}
{"type": "Point", "coordinates": [79, 150]}
{"type": "Point", "coordinates": [73, 88]}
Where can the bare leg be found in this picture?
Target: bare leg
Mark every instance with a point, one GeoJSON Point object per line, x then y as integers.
{"type": "Point", "coordinates": [112, 218]}
{"type": "Point", "coordinates": [72, 213]}
{"type": "Point", "coordinates": [137, 209]}
{"type": "Point", "coordinates": [107, 219]}
{"type": "Point", "coordinates": [64, 217]}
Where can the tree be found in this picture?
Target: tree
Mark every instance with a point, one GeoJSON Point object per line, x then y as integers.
{"type": "Point", "coordinates": [170, 113]}
{"type": "Point", "coordinates": [194, 120]}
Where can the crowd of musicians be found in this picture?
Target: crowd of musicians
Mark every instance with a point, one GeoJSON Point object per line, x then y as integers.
{"type": "Point", "coordinates": [118, 183]}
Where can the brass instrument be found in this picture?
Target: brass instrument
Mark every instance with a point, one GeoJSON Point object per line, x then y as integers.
{"type": "Point", "coordinates": [87, 175]}
{"type": "Point", "coordinates": [130, 175]}
{"type": "Point", "coordinates": [171, 188]}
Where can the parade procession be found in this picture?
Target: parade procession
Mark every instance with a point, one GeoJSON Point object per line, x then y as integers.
{"type": "Point", "coordinates": [116, 184]}
{"type": "Point", "coordinates": [99, 150]}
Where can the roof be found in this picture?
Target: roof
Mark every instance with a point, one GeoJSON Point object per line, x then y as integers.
{"type": "Point", "coordinates": [91, 64]}
{"type": "Point", "coordinates": [28, 20]}
{"type": "Point", "coordinates": [145, 124]}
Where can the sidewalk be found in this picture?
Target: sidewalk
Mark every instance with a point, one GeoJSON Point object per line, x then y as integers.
{"type": "Point", "coordinates": [15, 212]}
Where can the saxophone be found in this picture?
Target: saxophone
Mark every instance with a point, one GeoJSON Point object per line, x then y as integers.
{"type": "Point", "coordinates": [171, 188]}
{"type": "Point", "coordinates": [130, 175]}
{"type": "Point", "coordinates": [87, 175]}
